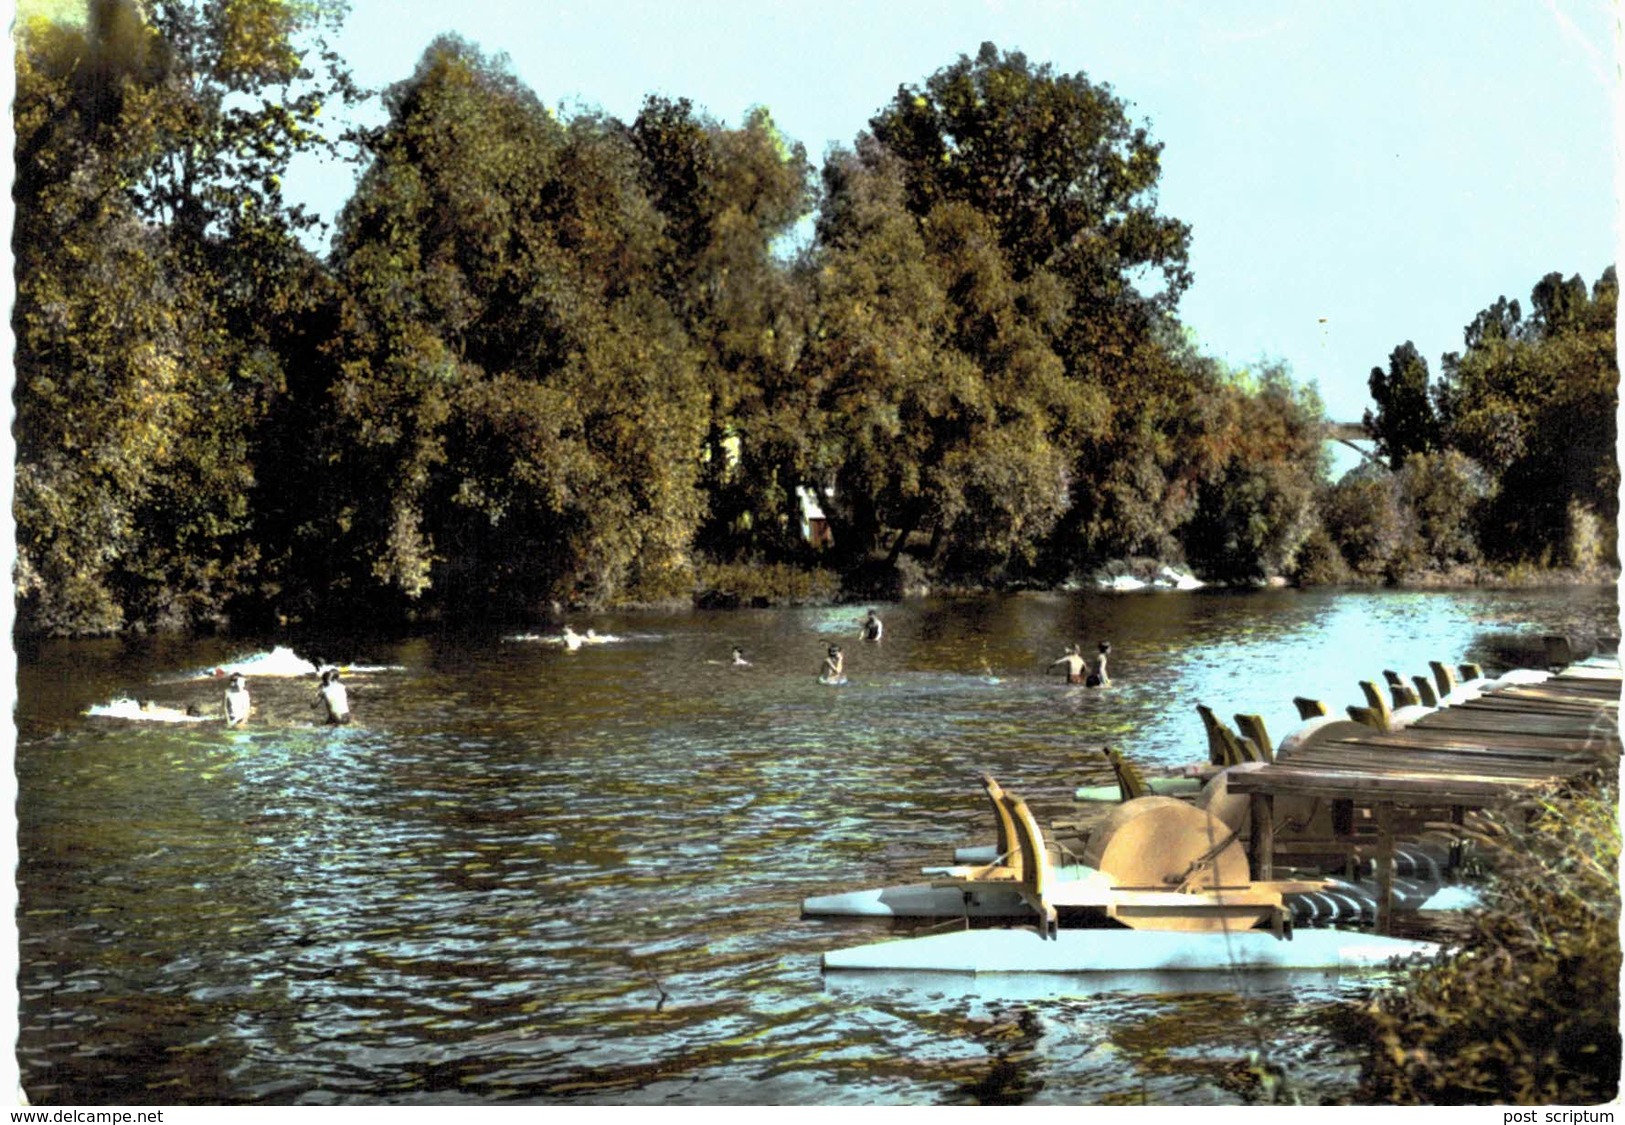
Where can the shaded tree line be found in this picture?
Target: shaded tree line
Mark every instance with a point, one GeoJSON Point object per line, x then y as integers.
{"type": "Point", "coordinates": [1507, 457]}
{"type": "Point", "coordinates": [584, 360]}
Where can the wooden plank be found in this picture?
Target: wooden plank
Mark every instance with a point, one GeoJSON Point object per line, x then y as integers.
{"type": "Point", "coordinates": [1334, 756]}
{"type": "Point", "coordinates": [1444, 771]}
{"type": "Point", "coordinates": [1528, 717]}
{"type": "Point", "coordinates": [1510, 747]}
{"type": "Point", "coordinates": [1498, 751]}
{"type": "Point", "coordinates": [1366, 788]}
{"type": "Point", "coordinates": [1609, 673]}
{"type": "Point", "coordinates": [1578, 691]}
{"type": "Point", "coordinates": [1261, 840]}
{"type": "Point", "coordinates": [1355, 784]}
{"type": "Point", "coordinates": [1487, 740]}
{"type": "Point", "coordinates": [1458, 718]}
{"type": "Point", "coordinates": [1590, 716]}
{"type": "Point", "coordinates": [1562, 689]}
{"type": "Point", "coordinates": [1538, 698]}
{"type": "Point", "coordinates": [1508, 743]}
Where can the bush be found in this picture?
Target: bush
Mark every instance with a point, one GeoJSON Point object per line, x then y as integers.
{"type": "Point", "coordinates": [1527, 1010]}
{"type": "Point", "coordinates": [1249, 522]}
{"type": "Point", "coordinates": [1363, 515]}
{"type": "Point", "coordinates": [1444, 492]}
{"type": "Point", "coordinates": [727, 585]}
{"type": "Point", "coordinates": [1588, 548]}
{"type": "Point", "coordinates": [1320, 563]}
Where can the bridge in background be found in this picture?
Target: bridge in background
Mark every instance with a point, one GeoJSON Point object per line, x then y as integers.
{"type": "Point", "coordinates": [1347, 433]}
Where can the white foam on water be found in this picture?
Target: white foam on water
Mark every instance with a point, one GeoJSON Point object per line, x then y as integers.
{"type": "Point", "coordinates": [283, 661]}
{"type": "Point", "coordinates": [130, 709]}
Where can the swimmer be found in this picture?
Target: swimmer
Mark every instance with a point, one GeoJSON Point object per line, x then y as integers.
{"type": "Point", "coordinates": [237, 703]}
{"type": "Point", "coordinates": [872, 627]}
{"type": "Point", "coordinates": [834, 664]}
{"type": "Point", "coordinates": [572, 639]}
{"type": "Point", "coordinates": [1098, 677]}
{"type": "Point", "coordinates": [739, 658]}
{"type": "Point", "coordinates": [1074, 662]}
{"type": "Point", "coordinates": [333, 695]}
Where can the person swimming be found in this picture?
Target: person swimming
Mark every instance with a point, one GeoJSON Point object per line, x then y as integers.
{"type": "Point", "coordinates": [1074, 662]}
{"type": "Point", "coordinates": [872, 628]}
{"type": "Point", "coordinates": [237, 701]}
{"type": "Point", "coordinates": [335, 697]}
{"type": "Point", "coordinates": [739, 658]}
{"type": "Point", "coordinates": [833, 671]}
{"type": "Point", "coordinates": [1098, 677]}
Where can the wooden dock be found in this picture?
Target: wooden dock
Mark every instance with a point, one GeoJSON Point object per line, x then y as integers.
{"type": "Point", "coordinates": [1507, 745]}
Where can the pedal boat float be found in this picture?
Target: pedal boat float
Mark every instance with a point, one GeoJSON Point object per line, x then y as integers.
{"type": "Point", "coordinates": [1161, 887]}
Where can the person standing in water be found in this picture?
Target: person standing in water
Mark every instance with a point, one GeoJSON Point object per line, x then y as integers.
{"type": "Point", "coordinates": [1099, 678]}
{"type": "Point", "coordinates": [237, 702]}
{"type": "Point", "coordinates": [335, 698]}
{"type": "Point", "coordinates": [834, 666]}
{"type": "Point", "coordinates": [872, 627]}
{"type": "Point", "coordinates": [1074, 663]}
{"type": "Point", "coordinates": [572, 639]}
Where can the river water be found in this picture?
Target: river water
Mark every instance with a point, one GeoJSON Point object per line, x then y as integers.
{"type": "Point", "coordinates": [533, 875]}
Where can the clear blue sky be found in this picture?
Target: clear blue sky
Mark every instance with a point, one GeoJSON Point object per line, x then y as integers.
{"type": "Point", "coordinates": [1356, 173]}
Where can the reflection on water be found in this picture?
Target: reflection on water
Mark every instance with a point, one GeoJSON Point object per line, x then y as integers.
{"type": "Point", "coordinates": [534, 874]}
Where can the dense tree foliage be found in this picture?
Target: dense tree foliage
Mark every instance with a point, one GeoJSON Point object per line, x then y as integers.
{"type": "Point", "coordinates": [1405, 420]}
{"type": "Point", "coordinates": [154, 259]}
{"type": "Point", "coordinates": [938, 401]}
{"type": "Point", "coordinates": [1537, 399]}
{"type": "Point", "coordinates": [576, 359]}
{"type": "Point", "coordinates": [509, 373]}
{"type": "Point", "coordinates": [1264, 459]}
{"type": "Point", "coordinates": [1531, 403]}
{"type": "Point", "coordinates": [1066, 183]}
{"type": "Point", "coordinates": [727, 197]}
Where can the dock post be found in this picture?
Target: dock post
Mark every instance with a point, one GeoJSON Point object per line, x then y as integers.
{"type": "Point", "coordinates": [1385, 867]}
{"type": "Point", "coordinates": [1343, 832]}
{"type": "Point", "coordinates": [1261, 842]}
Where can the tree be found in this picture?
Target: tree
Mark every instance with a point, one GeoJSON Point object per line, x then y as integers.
{"type": "Point", "coordinates": [727, 196]}
{"type": "Point", "coordinates": [1405, 420]}
{"type": "Point", "coordinates": [510, 381]}
{"type": "Point", "coordinates": [243, 87]}
{"type": "Point", "coordinates": [1063, 176]}
{"type": "Point", "coordinates": [1140, 461]}
{"type": "Point", "coordinates": [1536, 399]}
{"type": "Point", "coordinates": [1053, 162]}
{"type": "Point", "coordinates": [1065, 186]}
{"type": "Point", "coordinates": [1445, 493]}
{"type": "Point", "coordinates": [1364, 516]}
{"type": "Point", "coordinates": [145, 285]}
{"type": "Point", "coordinates": [1264, 463]}
{"type": "Point", "coordinates": [936, 401]}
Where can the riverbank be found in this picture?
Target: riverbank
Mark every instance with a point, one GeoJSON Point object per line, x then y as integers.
{"type": "Point", "coordinates": [781, 585]}
{"type": "Point", "coordinates": [1525, 1011]}
{"type": "Point", "coordinates": [724, 587]}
